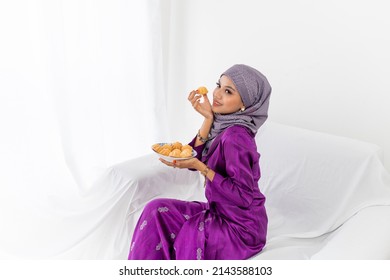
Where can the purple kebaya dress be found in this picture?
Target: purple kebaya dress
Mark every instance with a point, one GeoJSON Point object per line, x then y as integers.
{"type": "Point", "coordinates": [232, 224]}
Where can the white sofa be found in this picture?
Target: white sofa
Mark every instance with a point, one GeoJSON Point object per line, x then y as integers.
{"type": "Point", "coordinates": [328, 197]}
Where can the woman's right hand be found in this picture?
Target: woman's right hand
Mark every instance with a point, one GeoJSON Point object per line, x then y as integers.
{"type": "Point", "coordinates": [203, 108]}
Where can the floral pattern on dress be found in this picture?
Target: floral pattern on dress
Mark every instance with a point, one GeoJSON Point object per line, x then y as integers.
{"type": "Point", "coordinates": [158, 246]}
{"type": "Point", "coordinates": [199, 254]}
{"type": "Point", "coordinates": [163, 209]}
{"type": "Point", "coordinates": [132, 246]}
{"type": "Point", "coordinates": [144, 223]}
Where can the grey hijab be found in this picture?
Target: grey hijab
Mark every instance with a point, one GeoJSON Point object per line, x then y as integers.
{"type": "Point", "coordinates": [255, 93]}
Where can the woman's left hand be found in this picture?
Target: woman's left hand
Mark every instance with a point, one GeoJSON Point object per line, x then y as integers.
{"type": "Point", "coordinates": [192, 163]}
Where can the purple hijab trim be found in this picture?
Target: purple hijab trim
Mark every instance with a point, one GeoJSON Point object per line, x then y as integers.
{"type": "Point", "coordinates": [255, 92]}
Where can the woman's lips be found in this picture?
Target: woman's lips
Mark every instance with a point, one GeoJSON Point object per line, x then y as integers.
{"type": "Point", "coordinates": [215, 103]}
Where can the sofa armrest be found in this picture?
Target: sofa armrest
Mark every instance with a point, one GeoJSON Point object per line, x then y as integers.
{"type": "Point", "coordinates": [145, 178]}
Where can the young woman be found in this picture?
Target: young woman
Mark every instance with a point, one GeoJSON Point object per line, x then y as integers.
{"type": "Point", "coordinates": [232, 224]}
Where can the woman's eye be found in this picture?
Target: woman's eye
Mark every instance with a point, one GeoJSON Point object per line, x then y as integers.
{"type": "Point", "coordinates": [226, 90]}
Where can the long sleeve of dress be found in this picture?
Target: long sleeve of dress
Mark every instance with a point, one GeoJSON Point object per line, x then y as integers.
{"type": "Point", "coordinates": [236, 175]}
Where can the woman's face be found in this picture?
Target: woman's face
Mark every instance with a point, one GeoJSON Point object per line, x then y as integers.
{"type": "Point", "coordinates": [226, 99]}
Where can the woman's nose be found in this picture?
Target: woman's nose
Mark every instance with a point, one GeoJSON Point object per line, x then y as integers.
{"type": "Point", "coordinates": [217, 93]}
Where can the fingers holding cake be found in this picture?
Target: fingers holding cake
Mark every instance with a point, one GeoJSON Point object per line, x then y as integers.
{"type": "Point", "coordinates": [194, 98]}
{"type": "Point", "coordinates": [196, 95]}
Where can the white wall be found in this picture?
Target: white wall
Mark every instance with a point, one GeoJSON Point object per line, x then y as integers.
{"type": "Point", "coordinates": [327, 61]}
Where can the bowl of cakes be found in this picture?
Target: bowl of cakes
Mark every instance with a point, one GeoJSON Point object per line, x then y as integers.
{"type": "Point", "coordinates": [174, 151]}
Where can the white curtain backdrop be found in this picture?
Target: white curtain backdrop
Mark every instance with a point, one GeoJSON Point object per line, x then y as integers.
{"type": "Point", "coordinates": [81, 88]}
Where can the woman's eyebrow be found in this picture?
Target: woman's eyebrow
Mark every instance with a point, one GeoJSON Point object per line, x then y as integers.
{"type": "Point", "coordinates": [230, 88]}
